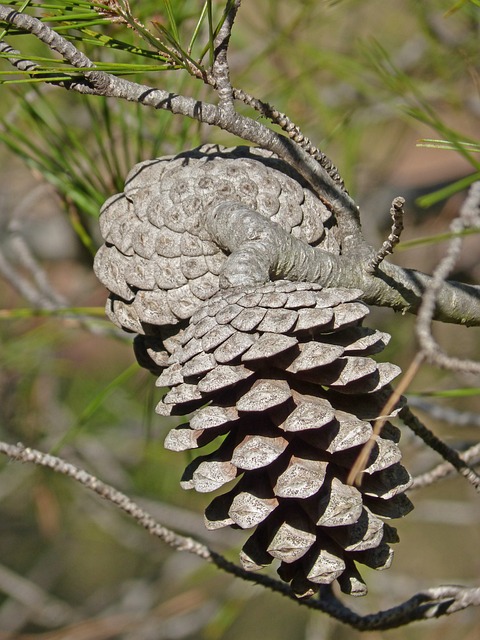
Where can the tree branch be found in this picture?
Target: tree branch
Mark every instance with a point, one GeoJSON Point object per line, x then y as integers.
{"type": "Point", "coordinates": [455, 303]}
{"type": "Point", "coordinates": [396, 213]}
{"type": "Point", "coordinates": [292, 130]}
{"type": "Point", "coordinates": [258, 248]}
{"type": "Point", "coordinates": [444, 470]}
{"type": "Point", "coordinates": [220, 67]}
{"type": "Point", "coordinates": [119, 499]}
{"type": "Point", "coordinates": [431, 603]}
{"type": "Point", "coordinates": [103, 84]}
{"type": "Point", "coordinates": [447, 453]}
{"type": "Point", "coordinates": [261, 249]}
{"type": "Point", "coordinates": [469, 217]}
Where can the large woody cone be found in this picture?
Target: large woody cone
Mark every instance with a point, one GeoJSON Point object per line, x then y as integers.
{"type": "Point", "coordinates": [280, 374]}
{"type": "Point", "coordinates": [276, 378]}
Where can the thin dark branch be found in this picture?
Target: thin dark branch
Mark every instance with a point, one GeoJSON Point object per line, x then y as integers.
{"type": "Point", "coordinates": [447, 453]}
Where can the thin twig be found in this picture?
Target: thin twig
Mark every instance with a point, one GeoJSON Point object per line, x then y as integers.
{"type": "Point", "coordinates": [396, 213]}
{"type": "Point", "coordinates": [112, 495]}
{"type": "Point", "coordinates": [431, 603]}
{"type": "Point", "coordinates": [355, 475]}
{"type": "Point", "coordinates": [292, 130]}
{"type": "Point", "coordinates": [447, 453]}
{"type": "Point", "coordinates": [469, 217]}
{"type": "Point", "coordinates": [445, 469]}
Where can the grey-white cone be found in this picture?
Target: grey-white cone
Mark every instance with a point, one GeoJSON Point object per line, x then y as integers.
{"type": "Point", "coordinates": [281, 375]}
{"type": "Point", "coordinates": [278, 374]}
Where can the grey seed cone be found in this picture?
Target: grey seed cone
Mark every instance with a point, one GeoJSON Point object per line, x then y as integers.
{"type": "Point", "coordinates": [277, 378]}
{"type": "Point", "coordinates": [286, 405]}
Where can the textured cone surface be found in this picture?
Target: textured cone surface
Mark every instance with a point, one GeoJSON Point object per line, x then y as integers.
{"type": "Point", "coordinates": [159, 262]}
{"type": "Point", "coordinates": [288, 407]}
{"type": "Point", "coordinates": [279, 375]}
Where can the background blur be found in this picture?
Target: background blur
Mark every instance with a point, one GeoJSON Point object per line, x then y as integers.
{"type": "Point", "coordinates": [365, 81]}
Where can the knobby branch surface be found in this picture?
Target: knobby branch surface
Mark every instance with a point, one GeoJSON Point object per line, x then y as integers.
{"type": "Point", "coordinates": [119, 499]}
{"type": "Point", "coordinates": [445, 470]}
{"type": "Point", "coordinates": [220, 67]}
{"type": "Point", "coordinates": [396, 213]}
{"type": "Point", "coordinates": [292, 130]}
{"type": "Point", "coordinates": [400, 289]}
{"type": "Point", "coordinates": [431, 603]}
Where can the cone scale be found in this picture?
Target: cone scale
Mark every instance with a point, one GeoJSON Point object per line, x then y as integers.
{"type": "Point", "coordinates": [271, 402]}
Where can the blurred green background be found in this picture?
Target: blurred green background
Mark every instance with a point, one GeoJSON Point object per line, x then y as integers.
{"type": "Point", "coordinates": [365, 80]}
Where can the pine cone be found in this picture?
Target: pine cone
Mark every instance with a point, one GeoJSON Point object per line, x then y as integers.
{"type": "Point", "coordinates": [280, 374]}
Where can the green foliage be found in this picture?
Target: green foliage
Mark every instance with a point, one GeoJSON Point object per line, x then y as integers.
{"type": "Point", "coordinates": [86, 157]}
{"type": "Point", "coordinates": [145, 42]}
{"type": "Point", "coordinates": [164, 41]}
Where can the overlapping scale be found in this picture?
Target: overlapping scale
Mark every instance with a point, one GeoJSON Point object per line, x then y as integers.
{"type": "Point", "coordinates": [156, 242]}
{"type": "Point", "coordinates": [282, 375]}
